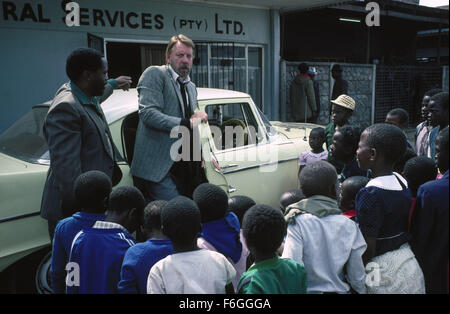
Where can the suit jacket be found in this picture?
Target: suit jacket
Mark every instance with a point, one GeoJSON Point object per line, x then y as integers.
{"type": "Point", "coordinates": [79, 140]}
{"type": "Point", "coordinates": [340, 87]}
{"type": "Point", "coordinates": [160, 110]}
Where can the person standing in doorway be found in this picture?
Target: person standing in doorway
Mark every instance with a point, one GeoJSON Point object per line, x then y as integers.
{"type": "Point", "coordinates": [167, 99]}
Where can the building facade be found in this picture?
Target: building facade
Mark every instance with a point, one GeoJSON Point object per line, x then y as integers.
{"type": "Point", "coordinates": [237, 47]}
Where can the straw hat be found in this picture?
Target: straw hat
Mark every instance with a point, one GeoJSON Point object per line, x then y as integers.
{"type": "Point", "coordinates": [345, 101]}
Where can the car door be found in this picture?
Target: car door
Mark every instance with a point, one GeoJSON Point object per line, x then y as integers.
{"type": "Point", "coordinates": [242, 151]}
{"type": "Point", "coordinates": [124, 153]}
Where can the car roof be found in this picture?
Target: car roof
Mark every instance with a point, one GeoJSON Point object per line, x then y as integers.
{"type": "Point", "coordinates": [122, 103]}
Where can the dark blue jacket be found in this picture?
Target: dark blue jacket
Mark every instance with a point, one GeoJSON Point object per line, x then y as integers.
{"type": "Point", "coordinates": [98, 255]}
{"type": "Point", "coordinates": [224, 235]}
{"type": "Point", "coordinates": [429, 229]}
{"type": "Point", "coordinates": [138, 261]}
{"type": "Point", "coordinates": [352, 169]}
{"type": "Point", "coordinates": [64, 233]}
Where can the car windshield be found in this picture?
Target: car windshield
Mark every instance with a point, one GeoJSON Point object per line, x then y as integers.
{"type": "Point", "coordinates": [272, 131]}
{"type": "Point", "coordinates": [25, 139]}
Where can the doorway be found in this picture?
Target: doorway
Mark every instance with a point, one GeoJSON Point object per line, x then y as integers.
{"type": "Point", "coordinates": [131, 59]}
{"type": "Point", "coordinates": [216, 65]}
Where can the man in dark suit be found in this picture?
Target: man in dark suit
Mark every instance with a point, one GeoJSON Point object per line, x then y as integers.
{"type": "Point", "coordinates": [77, 133]}
{"type": "Point", "coordinates": [340, 86]}
{"type": "Point", "coordinates": [167, 101]}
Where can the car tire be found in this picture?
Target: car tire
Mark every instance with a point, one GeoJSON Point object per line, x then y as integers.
{"type": "Point", "coordinates": [42, 279]}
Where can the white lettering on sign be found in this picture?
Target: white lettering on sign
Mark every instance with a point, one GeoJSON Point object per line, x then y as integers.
{"type": "Point", "coordinates": [73, 17]}
{"type": "Point", "coordinates": [373, 18]}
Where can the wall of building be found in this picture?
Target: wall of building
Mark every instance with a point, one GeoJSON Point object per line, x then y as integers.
{"type": "Point", "coordinates": [36, 40]}
{"type": "Point", "coordinates": [445, 78]}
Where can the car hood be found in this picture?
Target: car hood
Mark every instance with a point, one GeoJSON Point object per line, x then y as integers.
{"type": "Point", "coordinates": [10, 165]}
{"type": "Point", "coordinates": [293, 129]}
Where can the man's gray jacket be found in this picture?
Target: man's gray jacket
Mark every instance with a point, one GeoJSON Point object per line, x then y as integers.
{"type": "Point", "coordinates": [79, 140]}
{"type": "Point", "coordinates": [160, 110]}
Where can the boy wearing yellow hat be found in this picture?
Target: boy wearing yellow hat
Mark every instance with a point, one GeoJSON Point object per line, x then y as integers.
{"type": "Point", "coordinates": [341, 110]}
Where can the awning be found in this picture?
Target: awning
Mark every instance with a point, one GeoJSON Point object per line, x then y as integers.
{"type": "Point", "coordinates": [401, 10]}
{"type": "Point", "coordinates": [282, 5]}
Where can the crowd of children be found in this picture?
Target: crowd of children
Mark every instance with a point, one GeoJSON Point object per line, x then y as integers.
{"type": "Point", "coordinates": [352, 215]}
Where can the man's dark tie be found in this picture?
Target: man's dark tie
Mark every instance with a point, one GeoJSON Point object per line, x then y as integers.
{"type": "Point", "coordinates": [183, 94]}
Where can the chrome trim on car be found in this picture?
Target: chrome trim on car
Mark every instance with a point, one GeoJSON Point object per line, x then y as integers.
{"type": "Point", "coordinates": [260, 165]}
{"type": "Point", "coordinates": [235, 149]}
{"type": "Point", "coordinates": [229, 166]}
{"type": "Point", "coordinates": [19, 217]}
{"type": "Point", "coordinates": [284, 143]}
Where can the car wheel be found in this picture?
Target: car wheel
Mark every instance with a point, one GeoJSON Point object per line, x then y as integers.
{"type": "Point", "coordinates": [43, 275]}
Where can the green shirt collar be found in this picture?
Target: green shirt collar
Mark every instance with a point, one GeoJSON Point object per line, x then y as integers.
{"type": "Point", "coordinates": [82, 96]}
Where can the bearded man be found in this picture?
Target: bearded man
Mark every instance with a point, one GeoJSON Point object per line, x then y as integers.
{"type": "Point", "coordinates": [167, 99]}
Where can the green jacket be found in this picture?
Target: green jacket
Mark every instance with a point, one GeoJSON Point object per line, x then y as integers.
{"type": "Point", "coordinates": [274, 276]}
{"type": "Point", "coordinates": [301, 96]}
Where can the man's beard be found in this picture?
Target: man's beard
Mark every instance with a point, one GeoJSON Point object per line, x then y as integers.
{"type": "Point", "coordinates": [182, 71]}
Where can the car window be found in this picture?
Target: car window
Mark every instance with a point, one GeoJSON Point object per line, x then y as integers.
{"type": "Point", "coordinates": [271, 131]}
{"type": "Point", "coordinates": [232, 125]}
{"type": "Point", "coordinates": [25, 139]}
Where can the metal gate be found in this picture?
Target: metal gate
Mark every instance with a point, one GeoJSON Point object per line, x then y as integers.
{"type": "Point", "coordinates": [220, 65]}
{"type": "Point", "coordinates": [403, 87]}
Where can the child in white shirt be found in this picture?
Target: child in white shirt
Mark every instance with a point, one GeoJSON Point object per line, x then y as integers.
{"type": "Point", "coordinates": [189, 270]}
{"type": "Point", "coordinates": [329, 245]}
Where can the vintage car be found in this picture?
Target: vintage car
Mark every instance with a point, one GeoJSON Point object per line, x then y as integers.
{"type": "Point", "coordinates": [260, 161]}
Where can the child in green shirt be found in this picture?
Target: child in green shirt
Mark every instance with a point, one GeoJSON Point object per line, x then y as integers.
{"type": "Point", "coordinates": [264, 228]}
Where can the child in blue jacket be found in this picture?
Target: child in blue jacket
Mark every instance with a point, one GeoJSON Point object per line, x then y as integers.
{"type": "Point", "coordinates": [97, 253]}
{"type": "Point", "coordinates": [91, 191]}
{"type": "Point", "coordinates": [221, 230]}
{"type": "Point", "coordinates": [429, 227]}
{"type": "Point", "coordinates": [140, 258]}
